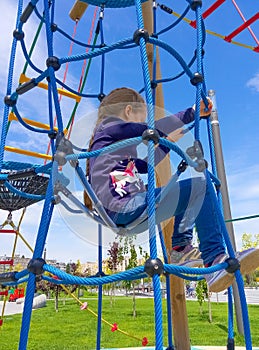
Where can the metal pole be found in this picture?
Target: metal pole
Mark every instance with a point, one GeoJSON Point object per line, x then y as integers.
{"type": "Point", "coordinates": [225, 197]}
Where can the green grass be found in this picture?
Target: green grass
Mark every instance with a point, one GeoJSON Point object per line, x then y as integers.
{"type": "Point", "coordinates": [73, 329]}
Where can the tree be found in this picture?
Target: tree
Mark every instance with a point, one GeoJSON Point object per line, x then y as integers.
{"type": "Point", "coordinates": [18, 267]}
{"type": "Point", "coordinates": [250, 241]}
{"type": "Point", "coordinates": [43, 286]}
{"type": "Point", "coordinates": [133, 262]}
{"type": "Point", "coordinates": [129, 248]}
{"type": "Point", "coordinates": [115, 259]}
{"type": "Point", "coordinates": [202, 294]}
{"type": "Point", "coordinates": [115, 254]}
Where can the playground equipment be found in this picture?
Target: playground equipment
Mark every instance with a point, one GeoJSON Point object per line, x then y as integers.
{"type": "Point", "coordinates": [25, 183]}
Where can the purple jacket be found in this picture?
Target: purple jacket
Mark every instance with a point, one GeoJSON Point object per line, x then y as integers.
{"type": "Point", "coordinates": [115, 176]}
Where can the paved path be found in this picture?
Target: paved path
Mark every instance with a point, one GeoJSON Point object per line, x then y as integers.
{"type": "Point", "coordinates": [11, 308]}
{"type": "Point", "coordinates": [252, 296]}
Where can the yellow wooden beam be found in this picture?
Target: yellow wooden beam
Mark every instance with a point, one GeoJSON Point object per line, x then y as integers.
{"type": "Point", "coordinates": [24, 79]}
{"type": "Point", "coordinates": [28, 153]}
{"type": "Point", "coordinates": [44, 126]}
{"type": "Point", "coordinates": [78, 10]}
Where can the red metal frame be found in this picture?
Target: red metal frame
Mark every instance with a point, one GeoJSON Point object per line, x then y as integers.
{"type": "Point", "coordinates": [243, 26]}
{"type": "Point", "coordinates": [209, 11]}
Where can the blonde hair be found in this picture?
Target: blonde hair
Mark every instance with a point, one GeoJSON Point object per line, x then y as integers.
{"type": "Point", "coordinates": [112, 105]}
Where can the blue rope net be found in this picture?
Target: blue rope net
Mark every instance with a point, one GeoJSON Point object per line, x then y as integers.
{"type": "Point", "coordinates": [113, 3]}
{"type": "Point", "coordinates": [54, 183]}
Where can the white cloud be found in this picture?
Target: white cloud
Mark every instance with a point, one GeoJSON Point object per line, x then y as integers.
{"type": "Point", "coordinates": [254, 83]}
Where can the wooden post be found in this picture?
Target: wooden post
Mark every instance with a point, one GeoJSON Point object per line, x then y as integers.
{"type": "Point", "coordinates": [78, 10]}
{"type": "Point", "coordinates": [163, 171]}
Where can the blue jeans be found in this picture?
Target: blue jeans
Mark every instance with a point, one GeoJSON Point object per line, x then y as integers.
{"type": "Point", "coordinates": [191, 201]}
{"type": "Point", "coordinates": [181, 238]}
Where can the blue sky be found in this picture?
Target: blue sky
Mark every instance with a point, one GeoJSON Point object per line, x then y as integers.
{"type": "Point", "coordinates": [232, 71]}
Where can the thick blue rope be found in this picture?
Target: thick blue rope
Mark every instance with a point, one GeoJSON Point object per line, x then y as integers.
{"type": "Point", "coordinates": [9, 88]}
{"type": "Point", "coordinates": [28, 59]}
{"type": "Point", "coordinates": [103, 56]}
{"type": "Point", "coordinates": [230, 314]}
{"type": "Point", "coordinates": [39, 247]}
{"type": "Point", "coordinates": [49, 33]}
{"type": "Point", "coordinates": [11, 165]}
{"type": "Point", "coordinates": [168, 292]}
{"type": "Point", "coordinates": [26, 317]}
{"type": "Point", "coordinates": [27, 126]}
{"type": "Point", "coordinates": [91, 281]}
{"type": "Point", "coordinates": [199, 70]}
{"type": "Point", "coordinates": [95, 53]}
{"type": "Point", "coordinates": [151, 180]}
{"type": "Point", "coordinates": [154, 62]}
{"type": "Point", "coordinates": [177, 21]}
{"type": "Point", "coordinates": [100, 289]}
{"type": "Point", "coordinates": [245, 316]}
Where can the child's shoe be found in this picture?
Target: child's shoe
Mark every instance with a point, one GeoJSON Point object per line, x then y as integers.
{"type": "Point", "coordinates": [249, 260]}
{"type": "Point", "coordinates": [219, 280]}
{"type": "Point", "coordinates": [189, 256]}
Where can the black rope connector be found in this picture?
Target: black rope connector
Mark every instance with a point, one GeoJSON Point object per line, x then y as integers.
{"type": "Point", "coordinates": [182, 166]}
{"type": "Point", "coordinates": [60, 158]}
{"type": "Point", "coordinates": [52, 135]}
{"type": "Point", "coordinates": [53, 62]}
{"type": "Point", "coordinates": [195, 4]}
{"type": "Point", "coordinates": [8, 277]}
{"type": "Point", "coordinates": [153, 84]}
{"type": "Point", "coordinates": [56, 199]}
{"type": "Point", "coordinates": [54, 27]}
{"type": "Point", "coordinates": [64, 147]}
{"type": "Point", "coordinates": [103, 45]}
{"type": "Point", "coordinates": [154, 35]}
{"type": "Point", "coordinates": [233, 265]}
{"type": "Point", "coordinates": [140, 33]}
{"type": "Point", "coordinates": [195, 151]}
{"type": "Point", "coordinates": [97, 29]}
{"type": "Point", "coordinates": [202, 52]}
{"type": "Point", "coordinates": [18, 35]}
{"type": "Point", "coordinates": [202, 164]}
{"type": "Point", "coordinates": [196, 79]}
{"type": "Point", "coordinates": [231, 344]}
{"type": "Point", "coordinates": [153, 267]}
{"type": "Point", "coordinates": [9, 101]}
{"type": "Point", "coordinates": [27, 12]}
{"type": "Point", "coordinates": [166, 9]}
{"type": "Point", "coordinates": [150, 134]}
{"type": "Point", "coordinates": [36, 266]}
{"type": "Point", "coordinates": [101, 97]}
{"type": "Point", "coordinates": [217, 186]}
{"type": "Point", "coordinates": [26, 86]}
{"type": "Point", "coordinates": [99, 274]}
